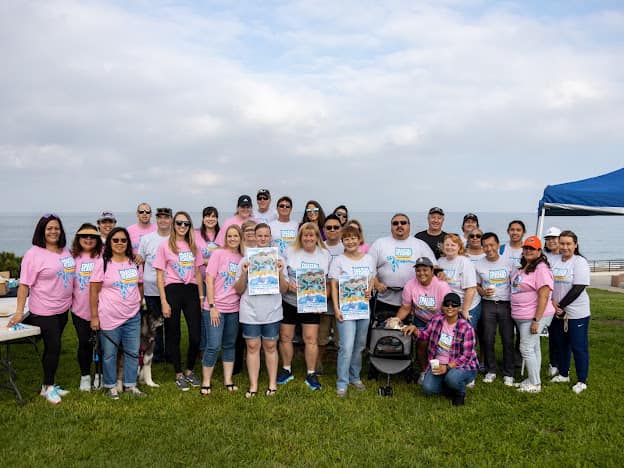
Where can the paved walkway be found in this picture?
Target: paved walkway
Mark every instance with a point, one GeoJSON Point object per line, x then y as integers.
{"type": "Point", "coordinates": [602, 280]}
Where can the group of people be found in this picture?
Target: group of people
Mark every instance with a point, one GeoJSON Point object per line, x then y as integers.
{"type": "Point", "coordinates": [450, 291]}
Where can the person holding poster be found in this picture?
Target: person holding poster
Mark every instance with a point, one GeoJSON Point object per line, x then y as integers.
{"type": "Point", "coordinates": [307, 256]}
{"type": "Point", "coordinates": [351, 275]}
{"type": "Point", "coordinates": [261, 313]}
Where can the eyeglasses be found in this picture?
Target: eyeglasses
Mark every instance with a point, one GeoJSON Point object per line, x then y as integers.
{"type": "Point", "coordinates": [312, 210]}
{"type": "Point", "coordinates": [332, 227]}
{"type": "Point", "coordinates": [183, 223]}
{"type": "Point", "coordinates": [284, 206]}
{"type": "Point", "coordinates": [144, 211]}
{"type": "Point", "coordinates": [475, 236]}
{"type": "Point", "coordinates": [87, 236]}
{"type": "Point", "coordinates": [119, 240]}
{"type": "Point", "coordinates": [341, 214]}
{"type": "Point", "coordinates": [401, 223]}
{"type": "Point", "coordinates": [262, 197]}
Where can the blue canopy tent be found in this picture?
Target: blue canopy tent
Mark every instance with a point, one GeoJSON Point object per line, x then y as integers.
{"type": "Point", "coordinates": [601, 195]}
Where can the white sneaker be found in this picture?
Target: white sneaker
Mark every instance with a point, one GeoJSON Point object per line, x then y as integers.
{"type": "Point", "coordinates": [560, 379]}
{"type": "Point", "coordinates": [524, 383]}
{"type": "Point", "coordinates": [470, 384]}
{"type": "Point", "coordinates": [85, 383]}
{"type": "Point", "coordinates": [489, 377]}
{"type": "Point", "coordinates": [508, 381]}
{"type": "Point", "coordinates": [97, 381]}
{"type": "Point", "coordinates": [51, 395]}
{"type": "Point", "coordinates": [530, 388]}
{"type": "Point", "coordinates": [552, 371]}
{"type": "Point", "coordinates": [579, 387]}
{"type": "Point", "coordinates": [421, 378]}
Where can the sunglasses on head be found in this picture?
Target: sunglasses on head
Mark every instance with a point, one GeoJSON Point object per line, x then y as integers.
{"type": "Point", "coordinates": [144, 211]}
{"type": "Point", "coordinates": [283, 206]}
{"type": "Point", "coordinates": [399, 223]}
{"type": "Point", "coordinates": [312, 210]}
{"type": "Point", "coordinates": [183, 223]}
{"type": "Point", "coordinates": [50, 215]}
{"type": "Point", "coordinates": [475, 236]}
{"type": "Point", "coordinates": [332, 227]}
{"type": "Point", "coordinates": [87, 236]}
{"type": "Point", "coordinates": [341, 214]}
{"type": "Point", "coordinates": [119, 240]}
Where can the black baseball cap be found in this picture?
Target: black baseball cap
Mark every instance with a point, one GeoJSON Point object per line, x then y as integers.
{"type": "Point", "coordinates": [423, 261]}
{"type": "Point", "coordinates": [451, 299]}
{"type": "Point", "coordinates": [164, 212]}
{"type": "Point", "coordinates": [436, 210]}
{"type": "Point", "coordinates": [244, 200]}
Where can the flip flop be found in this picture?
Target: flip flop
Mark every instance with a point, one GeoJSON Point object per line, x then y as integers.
{"type": "Point", "coordinates": [231, 387]}
{"type": "Point", "coordinates": [205, 390]}
{"type": "Point", "coordinates": [249, 394]}
{"type": "Point", "coordinates": [270, 391]}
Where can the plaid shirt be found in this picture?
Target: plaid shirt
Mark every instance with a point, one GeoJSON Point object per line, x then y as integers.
{"type": "Point", "coordinates": [462, 353]}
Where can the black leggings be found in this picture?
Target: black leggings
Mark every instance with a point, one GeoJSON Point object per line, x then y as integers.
{"type": "Point", "coordinates": [52, 327]}
{"type": "Point", "coordinates": [85, 347]}
{"type": "Point", "coordinates": [183, 298]}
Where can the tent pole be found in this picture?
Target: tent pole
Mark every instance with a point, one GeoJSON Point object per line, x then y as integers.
{"type": "Point", "coordinates": [540, 222]}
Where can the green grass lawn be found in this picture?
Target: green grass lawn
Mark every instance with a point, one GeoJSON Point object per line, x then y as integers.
{"type": "Point", "coordinates": [498, 426]}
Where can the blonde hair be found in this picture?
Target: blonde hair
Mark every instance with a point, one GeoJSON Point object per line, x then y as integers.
{"type": "Point", "coordinates": [189, 237]}
{"type": "Point", "coordinates": [241, 246]}
{"type": "Point", "coordinates": [456, 240]}
{"type": "Point", "coordinates": [298, 245]}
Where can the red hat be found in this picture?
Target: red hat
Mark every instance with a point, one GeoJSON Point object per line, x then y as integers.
{"type": "Point", "coordinates": [532, 241]}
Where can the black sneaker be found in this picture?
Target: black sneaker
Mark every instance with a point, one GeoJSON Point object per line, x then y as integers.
{"type": "Point", "coordinates": [284, 376]}
{"type": "Point", "coordinates": [313, 382]}
{"type": "Point", "coordinates": [459, 399]}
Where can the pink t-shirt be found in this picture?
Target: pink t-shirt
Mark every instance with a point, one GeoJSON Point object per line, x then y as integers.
{"type": "Point", "coordinates": [222, 267]}
{"type": "Point", "coordinates": [80, 300]}
{"type": "Point", "coordinates": [136, 231]}
{"type": "Point", "coordinates": [180, 267]}
{"type": "Point", "coordinates": [445, 343]}
{"type": "Point", "coordinates": [220, 240]}
{"type": "Point", "coordinates": [425, 300]}
{"type": "Point", "coordinates": [364, 248]}
{"type": "Point", "coordinates": [50, 277]}
{"type": "Point", "coordinates": [120, 297]}
{"type": "Point", "coordinates": [524, 295]}
{"type": "Point", "coordinates": [206, 248]}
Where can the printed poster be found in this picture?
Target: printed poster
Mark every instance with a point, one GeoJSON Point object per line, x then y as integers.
{"type": "Point", "coordinates": [311, 291]}
{"type": "Point", "coordinates": [352, 297]}
{"type": "Point", "coordinates": [263, 272]}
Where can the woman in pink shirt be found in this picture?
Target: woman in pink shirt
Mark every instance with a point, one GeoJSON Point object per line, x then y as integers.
{"type": "Point", "coordinates": [47, 279]}
{"type": "Point", "coordinates": [116, 293]}
{"type": "Point", "coordinates": [221, 309]}
{"type": "Point", "coordinates": [86, 250]}
{"type": "Point", "coordinates": [178, 277]}
{"type": "Point", "coordinates": [532, 308]}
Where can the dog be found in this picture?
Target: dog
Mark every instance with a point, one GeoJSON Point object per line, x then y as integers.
{"type": "Point", "coordinates": [149, 325]}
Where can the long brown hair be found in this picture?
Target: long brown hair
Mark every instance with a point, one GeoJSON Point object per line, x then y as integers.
{"type": "Point", "coordinates": [189, 237]}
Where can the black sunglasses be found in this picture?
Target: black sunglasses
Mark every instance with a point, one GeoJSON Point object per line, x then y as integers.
{"type": "Point", "coordinates": [262, 197]}
{"type": "Point", "coordinates": [144, 211]}
{"type": "Point", "coordinates": [475, 236]}
{"type": "Point", "coordinates": [183, 223]}
{"type": "Point", "coordinates": [119, 240]}
{"type": "Point", "coordinates": [88, 236]}
{"type": "Point", "coordinates": [283, 206]}
{"type": "Point", "coordinates": [332, 227]}
{"type": "Point", "coordinates": [397, 223]}
{"type": "Point", "coordinates": [451, 304]}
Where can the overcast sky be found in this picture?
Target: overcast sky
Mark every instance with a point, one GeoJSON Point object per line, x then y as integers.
{"type": "Point", "coordinates": [469, 105]}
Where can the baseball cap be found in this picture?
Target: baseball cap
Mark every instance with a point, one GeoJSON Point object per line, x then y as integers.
{"type": "Point", "coordinates": [452, 299]}
{"type": "Point", "coordinates": [107, 215]}
{"type": "Point", "coordinates": [423, 261]}
{"type": "Point", "coordinates": [553, 232]}
{"type": "Point", "coordinates": [436, 210]}
{"type": "Point", "coordinates": [532, 241]}
{"type": "Point", "coordinates": [88, 230]}
{"type": "Point", "coordinates": [244, 200]}
{"type": "Point", "coordinates": [264, 191]}
{"type": "Point", "coordinates": [164, 212]}
{"type": "Point", "coordinates": [471, 216]}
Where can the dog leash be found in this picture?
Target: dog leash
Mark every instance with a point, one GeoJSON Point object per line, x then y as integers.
{"type": "Point", "coordinates": [127, 353]}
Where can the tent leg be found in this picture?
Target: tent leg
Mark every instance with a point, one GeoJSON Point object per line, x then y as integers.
{"type": "Point", "coordinates": [540, 223]}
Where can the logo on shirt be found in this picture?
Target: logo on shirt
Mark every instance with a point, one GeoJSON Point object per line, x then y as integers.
{"type": "Point", "coordinates": [401, 255]}
{"type": "Point", "coordinates": [128, 278]}
{"type": "Point", "coordinates": [515, 284]}
{"type": "Point", "coordinates": [229, 276]}
{"type": "Point", "coordinates": [360, 271]}
{"type": "Point", "coordinates": [497, 276]}
{"type": "Point", "coordinates": [186, 263]}
{"type": "Point", "coordinates": [207, 251]}
{"type": "Point", "coordinates": [560, 275]}
{"type": "Point", "coordinates": [85, 274]}
{"type": "Point", "coordinates": [450, 277]}
{"type": "Point", "coordinates": [425, 307]}
{"type": "Point", "coordinates": [69, 270]}
{"type": "Point", "coordinates": [309, 266]}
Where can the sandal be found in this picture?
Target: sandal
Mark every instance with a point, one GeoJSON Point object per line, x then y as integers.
{"type": "Point", "coordinates": [250, 394]}
{"type": "Point", "coordinates": [270, 391]}
{"type": "Point", "coordinates": [231, 387]}
{"type": "Point", "coordinates": [205, 390]}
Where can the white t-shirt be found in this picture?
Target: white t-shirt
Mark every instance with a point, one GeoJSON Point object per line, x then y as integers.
{"type": "Point", "coordinates": [283, 234]}
{"type": "Point", "coordinates": [515, 255]}
{"type": "Point", "coordinates": [260, 309]}
{"type": "Point", "coordinates": [552, 258]}
{"type": "Point", "coordinates": [302, 260]}
{"type": "Point", "coordinates": [334, 252]}
{"type": "Point", "coordinates": [147, 249]}
{"type": "Point", "coordinates": [267, 217]}
{"type": "Point", "coordinates": [461, 274]}
{"type": "Point", "coordinates": [497, 274]}
{"type": "Point", "coordinates": [566, 274]}
{"type": "Point", "coordinates": [395, 261]}
{"type": "Point", "coordinates": [343, 265]}
{"type": "Point", "coordinates": [475, 258]}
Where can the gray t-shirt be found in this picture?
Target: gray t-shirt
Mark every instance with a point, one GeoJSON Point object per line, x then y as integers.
{"type": "Point", "coordinates": [566, 274]}
{"type": "Point", "coordinates": [147, 249]}
{"type": "Point", "coordinates": [497, 274]}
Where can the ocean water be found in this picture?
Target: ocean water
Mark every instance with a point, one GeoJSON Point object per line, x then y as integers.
{"type": "Point", "coordinates": [600, 237]}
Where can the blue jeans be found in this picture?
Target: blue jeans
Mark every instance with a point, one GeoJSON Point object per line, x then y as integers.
{"type": "Point", "coordinates": [530, 347]}
{"type": "Point", "coordinates": [574, 341]}
{"type": "Point", "coordinates": [220, 338]}
{"type": "Point", "coordinates": [266, 331]}
{"type": "Point", "coordinates": [475, 313]}
{"type": "Point", "coordinates": [128, 335]}
{"type": "Point", "coordinates": [454, 379]}
{"type": "Point", "coordinates": [352, 342]}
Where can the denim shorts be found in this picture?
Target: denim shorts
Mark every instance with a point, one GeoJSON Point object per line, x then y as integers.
{"type": "Point", "coordinates": [268, 331]}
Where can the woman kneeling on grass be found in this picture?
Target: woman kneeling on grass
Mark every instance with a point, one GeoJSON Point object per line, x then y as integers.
{"type": "Point", "coordinates": [116, 293]}
{"type": "Point", "coordinates": [260, 318]}
{"type": "Point", "coordinates": [451, 350]}
{"type": "Point", "coordinates": [221, 309]}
